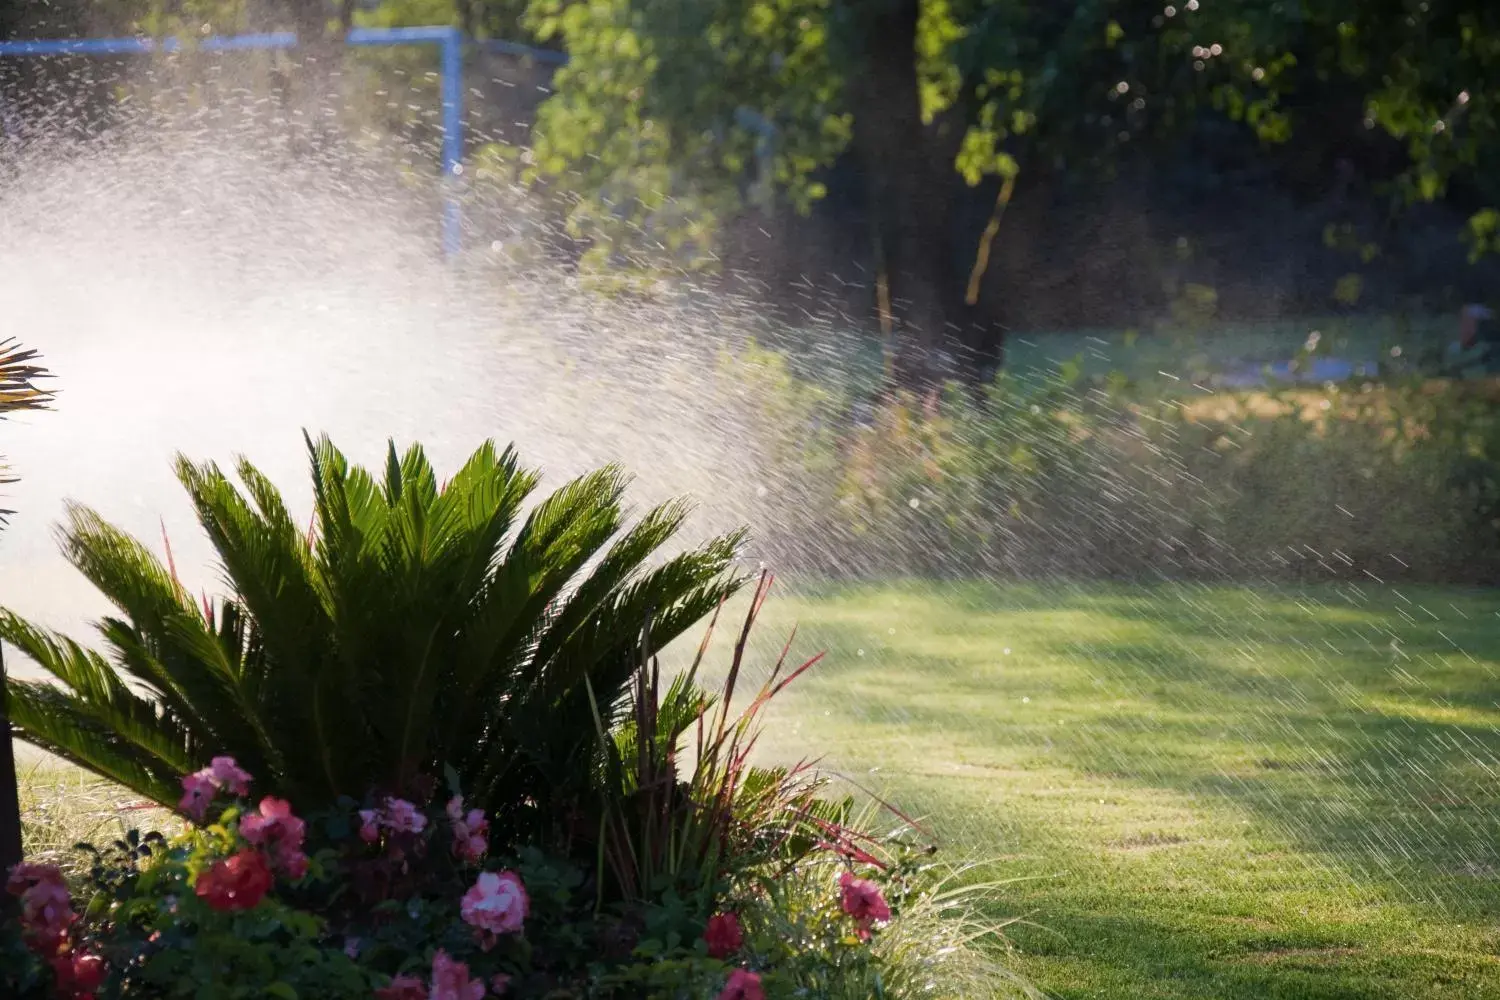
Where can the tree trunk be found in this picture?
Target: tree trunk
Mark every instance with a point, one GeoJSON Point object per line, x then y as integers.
{"type": "Point", "coordinates": [908, 200]}
{"type": "Point", "coordinates": [10, 806]}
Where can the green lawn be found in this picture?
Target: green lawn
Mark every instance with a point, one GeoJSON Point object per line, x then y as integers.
{"type": "Point", "coordinates": [1214, 793]}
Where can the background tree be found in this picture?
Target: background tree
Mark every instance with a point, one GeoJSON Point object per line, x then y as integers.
{"type": "Point", "coordinates": [674, 115]}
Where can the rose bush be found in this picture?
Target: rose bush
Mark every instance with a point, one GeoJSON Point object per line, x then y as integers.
{"type": "Point", "coordinates": [401, 901]}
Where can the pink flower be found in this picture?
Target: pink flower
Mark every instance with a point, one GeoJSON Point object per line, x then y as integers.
{"type": "Point", "coordinates": [450, 980]}
{"type": "Point", "coordinates": [198, 791]}
{"type": "Point", "coordinates": [862, 901]}
{"type": "Point", "coordinates": [499, 983]}
{"type": "Point", "coordinates": [46, 912]}
{"type": "Point", "coordinates": [403, 817]}
{"type": "Point", "coordinates": [369, 829]}
{"type": "Point", "coordinates": [403, 988]}
{"type": "Point", "coordinates": [228, 775]}
{"type": "Point", "coordinates": [471, 831]}
{"type": "Point", "coordinates": [723, 935]}
{"type": "Point", "coordinates": [222, 773]}
{"type": "Point", "coordinates": [279, 832]}
{"type": "Point", "coordinates": [25, 874]}
{"type": "Point", "coordinates": [743, 985]}
{"type": "Point", "coordinates": [496, 904]}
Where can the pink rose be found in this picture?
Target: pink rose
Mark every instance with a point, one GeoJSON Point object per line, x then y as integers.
{"type": "Point", "coordinates": [723, 935]}
{"type": "Point", "coordinates": [369, 828]}
{"type": "Point", "coordinates": [25, 874]}
{"type": "Point", "coordinates": [743, 985]}
{"type": "Point", "coordinates": [198, 788]}
{"type": "Point", "coordinates": [197, 792]}
{"type": "Point", "coordinates": [450, 980]}
{"type": "Point", "coordinates": [471, 830]}
{"type": "Point", "coordinates": [496, 904]}
{"type": "Point", "coordinates": [226, 774]}
{"type": "Point", "coordinates": [279, 833]}
{"type": "Point", "coordinates": [46, 914]}
{"type": "Point", "coordinates": [46, 905]}
{"type": "Point", "coordinates": [863, 901]}
{"type": "Point", "coordinates": [401, 816]}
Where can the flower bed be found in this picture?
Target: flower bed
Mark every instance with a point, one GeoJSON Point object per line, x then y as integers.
{"type": "Point", "coordinates": [400, 901]}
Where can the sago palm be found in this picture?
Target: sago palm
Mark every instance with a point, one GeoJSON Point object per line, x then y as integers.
{"type": "Point", "coordinates": [412, 628]}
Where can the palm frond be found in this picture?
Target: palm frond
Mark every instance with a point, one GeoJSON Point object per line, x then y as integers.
{"type": "Point", "coordinates": [18, 391]}
{"type": "Point", "coordinates": [94, 701]}
{"type": "Point", "coordinates": [18, 378]}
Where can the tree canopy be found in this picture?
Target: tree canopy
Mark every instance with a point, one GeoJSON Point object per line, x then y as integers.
{"type": "Point", "coordinates": [674, 118]}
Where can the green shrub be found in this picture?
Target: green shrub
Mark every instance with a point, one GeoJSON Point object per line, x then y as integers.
{"type": "Point", "coordinates": [413, 627]}
{"type": "Point", "coordinates": [1070, 478]}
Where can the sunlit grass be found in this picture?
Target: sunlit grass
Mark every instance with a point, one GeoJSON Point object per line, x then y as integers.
{"type": "Point", "coordinates": [62, 805]}
{"type": "Point", "coordinates": [1208, 793]}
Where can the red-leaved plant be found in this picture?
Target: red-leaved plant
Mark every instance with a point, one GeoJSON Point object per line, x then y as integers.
{"type": "Point", "coordinates": [725, 816]}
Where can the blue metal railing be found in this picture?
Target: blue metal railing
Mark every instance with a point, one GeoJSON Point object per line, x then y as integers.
{"type": "Point", "coordinates": [450, 42]}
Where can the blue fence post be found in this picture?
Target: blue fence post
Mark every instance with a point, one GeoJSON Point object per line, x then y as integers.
{"type": "Point", "coordinates": [453, 138]}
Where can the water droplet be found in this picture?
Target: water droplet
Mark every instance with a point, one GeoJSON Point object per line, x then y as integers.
{"type": "Point", "coordinates": [1006, 651]}
{"type": "Point", "coordinates": [1026, 701]}
{"type": "Point", "coordinates": [861, 652]}
{"type": "Point", "coordinates": [761, 491]}
{"type": "Point", "coordinates": [913, 503]}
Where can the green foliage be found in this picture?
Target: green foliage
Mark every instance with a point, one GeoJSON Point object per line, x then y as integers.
{"type": "Point", "coordinates": [412, 626]}
{"type": "Point", "coordinates": [667, 107]}
{"type": "Point", "coordinates": [671, 116]}
{"type": "Point", "coordinates": [23, 976]}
